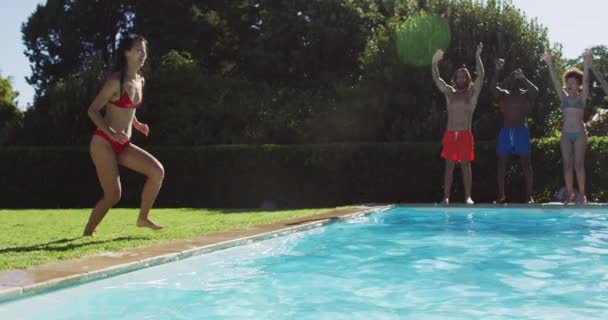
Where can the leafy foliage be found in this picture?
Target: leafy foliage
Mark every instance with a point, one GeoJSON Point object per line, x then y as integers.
{"type": "Point", "coordinates": [10, 115]}
{"type": "Point", "coordinates": [278, 71]}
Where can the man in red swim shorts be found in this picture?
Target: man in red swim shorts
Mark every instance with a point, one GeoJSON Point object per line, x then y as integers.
{"type": "Point", "coordinates": [461, 99]}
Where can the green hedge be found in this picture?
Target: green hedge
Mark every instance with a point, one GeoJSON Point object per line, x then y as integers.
{"type": "Point", "coordinates": [285, 175]}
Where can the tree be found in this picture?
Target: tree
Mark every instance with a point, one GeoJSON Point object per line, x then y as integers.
{"type": "Point", "coordinates": [10, 115]}
{"type": "Point", "coordinates": [62, 35]}
{"type": "Point", "coordinates": [411, 109]}
{"type": "Point", "coordinates": [208, 109]}
{"type": "Point", "coordinates": [278, 71]}
{"type": "Point", "coordinates": [267, 40]}
{"type": "Point", "coordinates": [59, 117]}
{"type": "Point", "coordinates": [597, 115]}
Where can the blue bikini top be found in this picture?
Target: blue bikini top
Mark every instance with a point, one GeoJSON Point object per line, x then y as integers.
{"type": "Point", "coordinates": [577, 104]}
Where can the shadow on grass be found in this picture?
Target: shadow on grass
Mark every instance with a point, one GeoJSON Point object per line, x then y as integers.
{"type": "Point", "coordinates": [66, 244]}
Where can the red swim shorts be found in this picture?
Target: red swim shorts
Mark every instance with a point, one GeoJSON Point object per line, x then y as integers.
{"type": "Point", "coordinates": [458, 145]}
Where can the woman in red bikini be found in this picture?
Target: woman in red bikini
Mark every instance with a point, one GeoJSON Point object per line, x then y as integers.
{"type": "Point", "coordinates": [110, 145]}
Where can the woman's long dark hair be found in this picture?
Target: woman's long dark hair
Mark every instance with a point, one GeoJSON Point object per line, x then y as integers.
{"type": "Point", "coordinates": [120, 60]}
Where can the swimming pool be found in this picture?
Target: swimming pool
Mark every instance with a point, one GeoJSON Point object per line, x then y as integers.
{"type": "Point", "coordinates": [414, 263]}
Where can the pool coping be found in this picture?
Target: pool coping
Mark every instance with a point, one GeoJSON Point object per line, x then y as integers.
{"type": "Point", "coordinates": [546, 205]}
{"type": "Point", "coordinates": [18, 284]}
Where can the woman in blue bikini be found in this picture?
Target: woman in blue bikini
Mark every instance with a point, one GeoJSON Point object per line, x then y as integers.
{"type": "Point", "coordinates": [573, 99]}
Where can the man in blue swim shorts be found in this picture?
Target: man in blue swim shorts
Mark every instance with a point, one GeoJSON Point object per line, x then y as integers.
{"type": "Point", "coordinates": [516, 97]}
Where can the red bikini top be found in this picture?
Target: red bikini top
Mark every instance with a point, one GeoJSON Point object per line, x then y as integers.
{"type": "Point", "coordinates": [125, 101]}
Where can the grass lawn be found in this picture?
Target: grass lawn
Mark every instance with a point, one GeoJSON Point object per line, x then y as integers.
{"type": "Point", "coordinates": [33, 237]}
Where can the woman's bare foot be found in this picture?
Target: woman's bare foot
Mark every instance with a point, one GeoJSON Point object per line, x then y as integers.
{"type": "Point", "coordinates": [147, 223]}
{"type": "Point", "coordinates": [531, 200]}
{"type": "Point", "coordinates": [469, 201]}
{"type": "Point", "coordinates": [446, 201]}
{"type": "Point", "coordinates": [501, 200]}
{"type": "Point", "coordinates": [88, 233]}
{"type": "Point", "coordinates": [582, 199]}
{"type": "Point", "coordinates": [570, 198]}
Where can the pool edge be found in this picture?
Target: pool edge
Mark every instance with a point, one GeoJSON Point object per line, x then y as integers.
{"type": "Point", "coordinates": [58, 279]}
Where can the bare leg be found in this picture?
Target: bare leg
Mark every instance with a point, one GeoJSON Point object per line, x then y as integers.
{"type": "Point", "coordinates": [467, 180]}
{"type": "Point", "coordinates": [580, 147]}
{"type": "Point", "coordinates": [527, 167]}
{"type": "Point", "coordinates": [104, 160]}
{"type": "Point", "coordinates": [447, 180]}
{"type": "Point", "coordinates": [500, 178]}
{"type": "Point", "coordinates": [137, 159]}
{"type": "Point", "coordinates": [567, 160]}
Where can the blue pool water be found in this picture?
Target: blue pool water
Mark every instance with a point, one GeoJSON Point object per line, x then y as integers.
{"type": "Point", "coordinates": [404, 263]}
